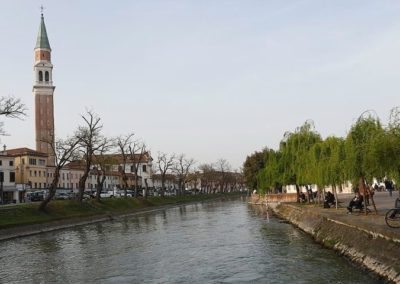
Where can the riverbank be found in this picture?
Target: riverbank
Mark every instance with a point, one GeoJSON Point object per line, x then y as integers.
{"type": "Point", "coordinates": [365, 240]}
{"type": "Point", "coordinates": [26, 219]}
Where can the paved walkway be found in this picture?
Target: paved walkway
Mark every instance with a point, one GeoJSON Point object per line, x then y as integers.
{"type": "Point", "coordinates": [372, 222]}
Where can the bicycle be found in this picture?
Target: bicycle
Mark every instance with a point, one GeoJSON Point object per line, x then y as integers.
{"type": "Point", "coordinates": [392, 217]}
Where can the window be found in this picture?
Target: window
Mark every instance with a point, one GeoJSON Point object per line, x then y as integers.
{"type": "Point", "coordinates": [144, 168]}
{"type": "Point", "coordinates": [35, 185]}
{"type": "Point", "coordinates": [23, 161]}
{"type": "Point", "coordinates": [40, 80]}
{"type": "Point", "coordinates": [11, 163]}
{"type": "Point", "coordinates": [63, 176]}
{"type": "Point", "coordinates": [46, 76]}
{"type": "Point", "coordinates": [1, 162]}
{"type": "Point", "coordinates": [40, 185]}
{"type": "Point", "coordinates": [12, 176]}
{"type": "Point", "coordinates": [42, 162]}
{"type": "Point", "coordinates": [32, 161]}
{"type": "Point", "coordinates": [40, 172]}
{"type": "Point", "coordinates": [132, 169]}
{"type": "Point", "coordinates": [35, 173]}
{"type": "Point", "coordinates": [30, 173]}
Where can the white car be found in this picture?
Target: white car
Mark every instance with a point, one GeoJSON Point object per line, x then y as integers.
{"type": "Point", "coordinates": [109, 194]}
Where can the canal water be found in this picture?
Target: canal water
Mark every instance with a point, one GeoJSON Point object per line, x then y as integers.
{"type": "Point", "coordinates": [211, 242]}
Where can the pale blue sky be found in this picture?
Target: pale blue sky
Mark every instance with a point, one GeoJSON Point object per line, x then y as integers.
{"type": "Point", "coordinates": [212, 79]}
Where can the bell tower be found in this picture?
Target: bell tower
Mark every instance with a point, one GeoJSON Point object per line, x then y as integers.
{"type": "Point", "coordinates": [43, 90]}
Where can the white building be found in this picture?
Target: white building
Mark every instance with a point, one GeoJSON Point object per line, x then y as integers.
{"type": "Point", "coordinates": [10, 193]}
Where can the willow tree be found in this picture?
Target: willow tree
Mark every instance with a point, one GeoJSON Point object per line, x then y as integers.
{"type": "Point", "coordinates": [295, 148]}
{"type": "Point", "coordinates": [390, 155]}
{"type": "Point", "coordinates": [270, 177]}
{"type": "Point", "coordinates": [329, 165]}
{"type": "Point", "coordinates": [315, 167]}
{"type": "Point", "coordinates": [363, 144]}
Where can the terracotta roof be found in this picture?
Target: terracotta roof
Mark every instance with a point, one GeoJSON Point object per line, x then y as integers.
{"type": "Point", "coordinates": [25, 151]}
{"type": "Point", "coordinates": [118, 158]}
{"type": "Point", "coordinates": [75, 165]}
{"type": "Point", "coordinates": [112, 173]}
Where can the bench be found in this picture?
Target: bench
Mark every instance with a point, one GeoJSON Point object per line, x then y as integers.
{"type": "Point", "coordinates": [360, 208]}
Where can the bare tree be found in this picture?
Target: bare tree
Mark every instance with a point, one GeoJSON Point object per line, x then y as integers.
{"type": "Point", "coordinates": [90, 141]}
{"type": "Point", "coordinates": [123, 143]}
{"type": "Point", "coordinates": [137, 151]}
{"type": "Point", "coordinates": [102, 161]}
{"type": "Point", "coordinates": [193, 178]}
{"type": "Point", "coordinates": [11, 107]}
{"type": "Point", "coordinates": [164, 165]}
{"type": "Point", "coordinates": [223, 168]}
{"type": "Point", "coordinates": [208, 178]}
{"type": "Point", "coordinates": [65, 151]}
{"type": "Point", "coordinates": [182, 167]}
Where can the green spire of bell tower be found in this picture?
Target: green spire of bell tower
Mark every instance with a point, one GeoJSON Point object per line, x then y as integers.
{"type": "Point", "coordinates": [42, 39]}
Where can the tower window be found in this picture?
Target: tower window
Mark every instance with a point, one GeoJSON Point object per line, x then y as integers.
{"type": "Point", "coordinates": [40, 76]}
{"type": "Point", "coordinates": [46, 76]}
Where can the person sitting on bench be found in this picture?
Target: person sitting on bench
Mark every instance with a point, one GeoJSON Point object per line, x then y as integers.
{"type": "Point", "coordinates": [329, 200]}
{"type": "Point", "coordinates": [356, 202]}
{"type": "Point", "coordinates": [302, 197]}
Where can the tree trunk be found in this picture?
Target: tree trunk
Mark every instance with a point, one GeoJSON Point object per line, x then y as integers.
{"type": "Point", "coordinates": [82, 182]}
{"type": "Point", "coordinates": [136, 184]}
{"type": "Point", "coordinates": [336, 196]}
{"type": "Point", "coordinates": [99, 186]}
{"type": "Point", "coordinates": [146, 187]}
{"type": "Point", "coordinates": [162, 186]}
{"type": "Point", "coordinates": [52, 191]}
{"type": "Point", "coordinates": [298, 193]}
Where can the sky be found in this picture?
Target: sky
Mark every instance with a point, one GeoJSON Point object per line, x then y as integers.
{"type": "Point", "coordinates": [210, 79]}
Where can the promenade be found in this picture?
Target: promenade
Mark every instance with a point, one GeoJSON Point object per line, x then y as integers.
{"type": "Point", "coordinates": [364, 239]}
{"type": "Point", "coordinates": [372, 222]}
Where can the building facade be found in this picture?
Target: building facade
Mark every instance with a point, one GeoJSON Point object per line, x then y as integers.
{"type": "Point", "coordinates": [8, 189]}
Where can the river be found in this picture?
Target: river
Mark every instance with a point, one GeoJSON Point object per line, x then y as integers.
{"type": "Point", "coordinates": [210, 242]}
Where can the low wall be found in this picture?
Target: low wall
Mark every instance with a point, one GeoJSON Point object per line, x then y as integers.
{"type": "Point", "coordinates": [273, 198]}
{"type": "Point", "coordinates": [366, 248]}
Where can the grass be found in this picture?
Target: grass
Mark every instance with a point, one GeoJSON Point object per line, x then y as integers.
{"type": "Point", "coordinates": [28, 214]}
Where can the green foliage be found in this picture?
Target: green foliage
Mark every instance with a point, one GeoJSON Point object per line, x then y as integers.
{"type": "Point", "coordinates": [364, 149]}
{"type": "Point", "coordinates": [270, 177]}
{"type": "Point", "coordinates": [390, 151]}
{"type": "Point", "coordinates": [295, 149]}
{"type": "Point", "coordinates": [368, 151]}
{"type": "Point", "coordinates": [251, 167]}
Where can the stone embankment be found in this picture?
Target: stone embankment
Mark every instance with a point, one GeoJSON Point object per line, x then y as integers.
{"type": "Point", "coordinates": [370, 245]}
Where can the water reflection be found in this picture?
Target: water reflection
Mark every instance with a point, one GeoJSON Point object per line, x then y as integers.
{"type": "Point", "coordinates": [213, 242]}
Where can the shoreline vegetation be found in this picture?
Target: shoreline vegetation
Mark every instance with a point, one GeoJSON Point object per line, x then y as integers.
{"type": "Point", "coordinates": [21, 216]}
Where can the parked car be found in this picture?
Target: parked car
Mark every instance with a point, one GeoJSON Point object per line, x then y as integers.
{"type": "Point", "coordinates": [61, 196]}
{"type": "Point", "coordinates": [105, 194]}
{"type": "Point", "coordinates": [35, 195]}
